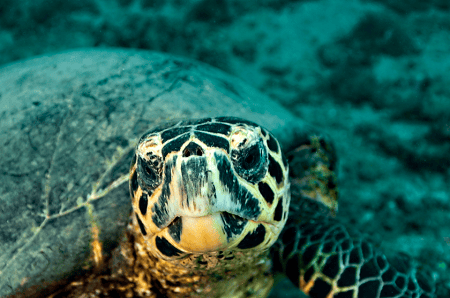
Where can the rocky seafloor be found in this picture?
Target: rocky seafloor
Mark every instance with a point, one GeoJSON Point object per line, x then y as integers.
{"type": "Point", "coordinates": [373, 74]}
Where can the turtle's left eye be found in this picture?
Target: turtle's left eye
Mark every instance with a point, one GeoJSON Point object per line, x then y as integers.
{"type": "Point", "coordinates": [250, 160]}
{"type": "Point", "coordinates": [149, 172]}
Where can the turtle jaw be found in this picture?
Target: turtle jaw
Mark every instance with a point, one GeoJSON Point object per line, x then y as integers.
{"type": "Point", "coordinates": [220, 231]}
{"type": "Point", "coordinates": [201, 234]}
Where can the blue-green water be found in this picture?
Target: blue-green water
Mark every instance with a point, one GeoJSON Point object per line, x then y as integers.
{"type": "Point", "coordinates": [372, 74]}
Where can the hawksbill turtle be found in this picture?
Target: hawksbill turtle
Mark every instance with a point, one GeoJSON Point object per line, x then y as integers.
{"type": "Point", "coordinates": [218, 203]}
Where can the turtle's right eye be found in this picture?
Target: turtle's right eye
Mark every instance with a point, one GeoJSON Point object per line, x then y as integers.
{"type": "Point", "coordinates": [250, 157]}
{"type": "Point", "coordinates": [149, 172]}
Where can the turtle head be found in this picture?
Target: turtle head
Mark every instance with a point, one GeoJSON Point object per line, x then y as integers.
{"type": "Point", "coordinates": [209, 185]}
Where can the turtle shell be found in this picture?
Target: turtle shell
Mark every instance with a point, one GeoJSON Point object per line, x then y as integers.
{"type": "Point", "coordinates": [69, 124]}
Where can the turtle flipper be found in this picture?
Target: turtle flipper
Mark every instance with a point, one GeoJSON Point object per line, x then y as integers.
{"type": "Point", "coordinates": [324, 259]}
{"type": "Point", "coordinates": [319, 254]}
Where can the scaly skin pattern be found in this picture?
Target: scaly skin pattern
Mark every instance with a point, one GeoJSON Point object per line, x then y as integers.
{"type": "Point", "coordinates": [324, 258]}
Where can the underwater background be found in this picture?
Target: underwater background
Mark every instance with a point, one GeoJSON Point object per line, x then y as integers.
{"type": "Point", "coordinates": [373, 74]}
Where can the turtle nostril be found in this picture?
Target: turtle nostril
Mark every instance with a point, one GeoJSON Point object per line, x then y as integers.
{"type": "Point", "coordinates": [193, 149]}
{"type": "Point", "coordinates": [186, 153]}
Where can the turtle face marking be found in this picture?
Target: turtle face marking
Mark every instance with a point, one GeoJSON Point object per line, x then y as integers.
{"type": "Point", "coordinates": [208, 185]}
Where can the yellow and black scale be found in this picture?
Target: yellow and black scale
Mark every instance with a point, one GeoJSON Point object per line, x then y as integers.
{"type": "Point", "coordinates": [213, 217]}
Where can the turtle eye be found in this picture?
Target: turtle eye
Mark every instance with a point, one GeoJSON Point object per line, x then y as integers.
{"type": "Point", "coordinates": [250, 160]}
{"type": "Point", "coordinates": [149, 172]}
{"type": "Point", "coordinates": [251, 157]}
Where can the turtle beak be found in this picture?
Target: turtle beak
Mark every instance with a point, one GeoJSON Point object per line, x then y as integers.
{"type": "Point", "coordinates": [203, 234]}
